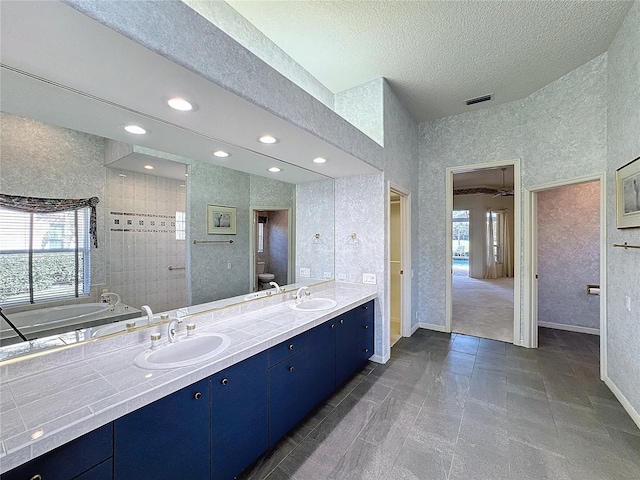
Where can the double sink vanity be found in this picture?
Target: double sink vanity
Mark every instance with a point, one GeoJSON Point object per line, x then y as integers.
{"type": "Point", "coordinates": [91, 411]}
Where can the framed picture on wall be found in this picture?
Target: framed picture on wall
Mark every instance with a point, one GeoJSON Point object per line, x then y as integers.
{"type": "Point", "coordinates": [628, 195]}
{"type": "Point", "coordinates": [221, 220]}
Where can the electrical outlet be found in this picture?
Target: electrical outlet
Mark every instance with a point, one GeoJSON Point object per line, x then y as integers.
{"type": "Point", "coordinates": [305, 272]}
{"type": "Point", "coordinates": [369, 278]}
{"type": "Point", "coordinates": [326, 274]}
{"type": "Point", "coordinates": [342, 276]}
{"type": "Point", "coordinates": [229, 266]}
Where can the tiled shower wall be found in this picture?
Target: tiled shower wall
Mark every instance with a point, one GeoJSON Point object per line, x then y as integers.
{"type": "Point", "coordinates": [145, 238]}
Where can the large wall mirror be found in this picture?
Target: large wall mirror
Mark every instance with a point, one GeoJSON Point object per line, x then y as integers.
{"type": "Point", "coordinates": [162, 232]}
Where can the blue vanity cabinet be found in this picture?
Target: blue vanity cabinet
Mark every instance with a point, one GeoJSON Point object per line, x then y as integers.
{"type": "Point", "coordinates": [365, 316]}
{"type": "Point", "coordinates": [288, 398]}
{"type": "Point", "coordinates": [87, 457]}
{"type": "Point", "coordinates": [322, 362]}
{"type": "Point", "coordinates": [239, 416]}
{"type": "Point", "coordinates": [167, 439]}
{"type": "Point", "coordinates": [346, 359]}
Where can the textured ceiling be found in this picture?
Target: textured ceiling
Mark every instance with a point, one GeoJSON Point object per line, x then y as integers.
{"type": "Point", "coordinates": [437, 54]}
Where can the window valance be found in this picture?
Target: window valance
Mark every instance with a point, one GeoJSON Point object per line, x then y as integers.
{"type": "Point", "coordinates": [49, 205]}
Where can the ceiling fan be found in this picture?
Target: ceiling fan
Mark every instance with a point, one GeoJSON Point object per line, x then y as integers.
{"type": "Point", "coordinates": [504, 191]}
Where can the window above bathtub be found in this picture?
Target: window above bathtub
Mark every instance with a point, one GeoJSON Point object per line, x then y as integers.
{"type": "Point", "coordinates": [44, 256]}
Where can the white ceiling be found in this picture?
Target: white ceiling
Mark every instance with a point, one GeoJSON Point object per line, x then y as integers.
{"type": "Point", "coordinates": [437, 54]}
{"type": "Point", "coordinates": [488, 178]}
{"type": "Point", "coordinates": [63, 68]}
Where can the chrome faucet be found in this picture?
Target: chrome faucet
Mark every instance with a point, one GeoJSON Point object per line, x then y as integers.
{"type": "Point", "coordinates": [277, 287]}
{"type": "Point", "coordinates": [171, 330]}
{"type": "Point", "coordinates": [299, 293]}
{"type": "Point", "coordinates": [108, 298]}
{"type": "Point", "coordinates": [147, 310]}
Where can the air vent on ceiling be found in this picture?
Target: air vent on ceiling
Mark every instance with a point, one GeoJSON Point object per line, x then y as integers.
{"type": "Point", "coordinates": [484, 98]}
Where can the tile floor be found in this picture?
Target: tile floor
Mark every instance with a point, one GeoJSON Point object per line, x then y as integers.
{"type": "Point", "coordinates": [458, 407]}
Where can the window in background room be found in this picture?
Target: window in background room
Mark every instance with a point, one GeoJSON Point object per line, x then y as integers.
{"type": "Point", "coordinates": [44, 256]}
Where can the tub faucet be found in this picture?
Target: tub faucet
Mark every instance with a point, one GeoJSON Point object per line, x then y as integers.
{"type": "Point", "coordinates": [277, 287]}
{"type": "Point", "coordinates": [108, 298]}
{"type": "Point", "coordinates": [147, 310]}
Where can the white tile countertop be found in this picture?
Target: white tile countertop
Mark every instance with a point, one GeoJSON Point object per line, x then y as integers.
{"type": "Point", "coordinates": [50, 399]}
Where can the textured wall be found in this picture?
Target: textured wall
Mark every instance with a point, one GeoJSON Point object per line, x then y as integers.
{"type": "Point", "coordinates": [363, 107]}
{"type": "Point", "coordinates": [315, 214]}
{"type": "Point", "coordinates": [559, 132]}
{"type": "Point", "coordinates": [623, 145]}
{"type": "Point", "coordinates": [270, 193]}
{"type": "Point", "coordinates": [278, 241]}
{"type": "Point", "coordinates": [209, 276]}
{"type": "Point", "coordinates": [43, 160]}
{"type": "Point", "coordinates": [227, 19]}
{"type": "Point", "coordinates": [569, 254]}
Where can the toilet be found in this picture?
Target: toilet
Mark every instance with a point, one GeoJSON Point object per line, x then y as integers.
{"type": "Point", "coordinates": [264, 277]}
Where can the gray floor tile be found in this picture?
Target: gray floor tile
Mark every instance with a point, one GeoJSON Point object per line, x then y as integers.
{"type": "Point", "coordinates": [529, 463]}
{"type": "Point", "coordinates": [476, 462]}
{"type": "Point", "coordinates": [419, 462]}
{"type": "Point", "coordinates": [488, 387]}
{"type": "Point", "coordinates": [363, 461]}
{"type": "Point", "coordinates": [434, 411]}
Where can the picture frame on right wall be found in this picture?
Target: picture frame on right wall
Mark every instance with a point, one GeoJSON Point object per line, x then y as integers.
{"type": "Point", "coordinates": [628, 195]}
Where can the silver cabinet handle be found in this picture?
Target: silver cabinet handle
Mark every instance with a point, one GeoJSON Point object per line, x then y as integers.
{"type": "Point", "coordinates": [291, 369]}
{"type": "Point", "coordinates": [341, 321]}
{"type": "Point", "coordinates": [224, 381]}
{"type": "Point", "coordinates": [37, 476]}
{"type": "Point", "coordinates": [366, 350]}
{"type": "Point", "coordinates": [197, 396]}
{"type": "Point", "coordinates": [291, 347]}
{"type": "Point", "coordinates": [333, 325]}
{"type": "Point", "coordinates": [366, 326]}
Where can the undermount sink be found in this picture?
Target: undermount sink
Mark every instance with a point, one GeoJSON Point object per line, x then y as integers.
{"type": "Point", "coordinates": [314, 305]}
{"type": "Point", "coordinates": [185, 352]}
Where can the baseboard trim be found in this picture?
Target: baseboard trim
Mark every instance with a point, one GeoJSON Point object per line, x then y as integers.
{"type": "Point", "coordinates": [430, 326]}
{"type": "Point", "coordinates": [635, 416]}
{"type": "Point", "coordinates": [414, 328]}
{"type": "Point", "coordinates": [570, 328]}
{"type": "Point", "coordinates": [380, 358]}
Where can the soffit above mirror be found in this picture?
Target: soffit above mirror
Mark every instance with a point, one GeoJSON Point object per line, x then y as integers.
{"type": "Point", "coordinates": [90, 66]}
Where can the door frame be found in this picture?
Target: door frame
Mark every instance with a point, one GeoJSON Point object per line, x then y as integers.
{"type": "Point", "coordinates": [291, 244]}
{"type": "Point", "coordinates": [405, 261]}
{"type": "Point", "coordinates": [530, 323]}
{"type": "Point", "coordinates": [517, 239]}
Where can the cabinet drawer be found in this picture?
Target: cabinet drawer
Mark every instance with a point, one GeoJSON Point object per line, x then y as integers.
{"type": "Point", "coordinates": [286, 349]}
{"type": "Point", "coordinates": [364, 309]}
{"type": "Point", "coordinates": [104, 471]}
{"type": "Point", "coordinates": [364, 326]}
{"type": "Point", "coordinates": [69, 460]}
{"type": "Point", "coordinates": [365, 350]}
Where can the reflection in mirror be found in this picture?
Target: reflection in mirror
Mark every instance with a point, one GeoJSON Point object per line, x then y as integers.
{"type": "Point", "coordinates": [153, 243]}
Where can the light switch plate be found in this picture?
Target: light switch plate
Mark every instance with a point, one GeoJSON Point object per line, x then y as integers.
{"type": "Point", "coordinates": [369, 278]}
{"type": "Point", "coordinates": [305, 272]}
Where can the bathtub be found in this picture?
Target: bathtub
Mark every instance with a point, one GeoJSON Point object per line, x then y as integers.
{"type": "Point", "coordinates": [56, 320]}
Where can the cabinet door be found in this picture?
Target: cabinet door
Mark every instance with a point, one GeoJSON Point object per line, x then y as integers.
{"type": "Point", "coordinates": [287, 395]}
{"type": "Point", "coordinates": [167, 439]}
{"type": "Point", "coordinates": [346, 361]}
{"type": "Point", "coordinates": [239, 416]}
{"type": "Point", "coordinates": [69, 460]}
{"type": "Point", "coordinates": [365, 350]}
{"type": "Point", "coordinates": [322, 362]}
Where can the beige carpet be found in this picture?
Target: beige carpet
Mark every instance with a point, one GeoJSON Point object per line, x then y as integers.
{"type": "Point", "coordinates": [483, 308]}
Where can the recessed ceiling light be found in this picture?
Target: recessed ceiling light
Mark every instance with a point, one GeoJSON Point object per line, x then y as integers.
{"type": "Point", "coordinates": [268, 139]}
{"type": "Point", "coordinates": [149, 167]}
{"type": "Point", "coordinates": [182, 184]}
{"type": "Point", "coordinates": [319, 160]}
{"type": "Point", "coordinates": [121, 175]}
{"type": "Point", "coordinates": [178, 103]}
{"type": "Point", "coordinates": [274, 169]}
{"type": "Point", "coordinates": [221, 154]}
{"type": "Point", "coordinates": [186, 174]}
{"type": "Point", "coordinates": [135, 129]}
